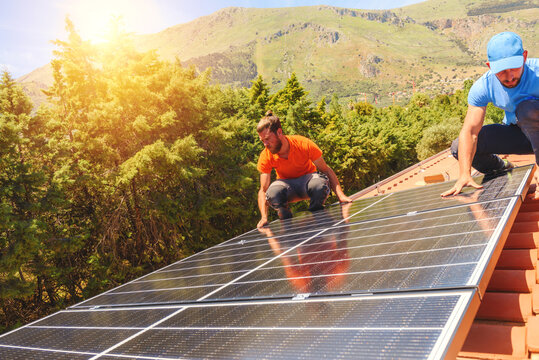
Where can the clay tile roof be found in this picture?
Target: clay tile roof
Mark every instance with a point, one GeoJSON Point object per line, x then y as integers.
{"type": "Point", "coordinates": [506, 325]}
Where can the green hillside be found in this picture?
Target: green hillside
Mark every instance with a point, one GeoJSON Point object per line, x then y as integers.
{"type": "Point", "coordinates": [381, 56]}
{"type": "Point", "coordinates": [452, 9]}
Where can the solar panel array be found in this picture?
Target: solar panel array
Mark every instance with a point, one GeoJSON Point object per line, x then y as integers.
{"type": "Point", "coordinates": [391, 276]}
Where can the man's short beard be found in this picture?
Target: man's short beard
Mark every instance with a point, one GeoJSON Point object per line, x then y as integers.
{"type": "Point", "coordinates": [512, 86]}
{"type": "Point", "coordinates": [277, 147]}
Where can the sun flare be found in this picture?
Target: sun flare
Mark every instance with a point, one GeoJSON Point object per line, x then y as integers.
{"type": "Point", "coordinates": [92, 19]}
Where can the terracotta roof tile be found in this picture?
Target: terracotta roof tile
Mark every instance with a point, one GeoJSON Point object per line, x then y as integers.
{"type": "Point", "coordinates": [527, 216]}
{"type": "Point", "coordinates": [505, 306]}
{"type": "Point", "coordinates": [441, 165]}
{"type": "Point", "coordinates": [525, 227]}
{"type": "Point", "coordinates": [533, 334]}
{"type": "Point", "coordinates": [517, 281]}
{"type": "Point", "coordinates": [525, 259]}
{"type": "Point", "coordinates": [495, 341]}
{"type": "Point", "coordinates": [535, 302]}
{"type": "Point", "coordinates": [522, 240]}
{"type": "Point", "coordinates": [530, 206]}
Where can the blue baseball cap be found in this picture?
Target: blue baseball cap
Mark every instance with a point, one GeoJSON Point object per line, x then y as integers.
{"type": "Point", "coordinates": [504, 51]}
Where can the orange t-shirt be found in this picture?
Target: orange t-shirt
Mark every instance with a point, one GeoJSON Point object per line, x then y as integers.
{"type": "Point", "coordinates": [300, 159]}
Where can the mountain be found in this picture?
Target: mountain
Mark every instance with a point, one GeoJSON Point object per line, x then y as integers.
{"type": "Point", "coordinates": [35, 81]}
{"type": "Point", "coordinates": [381, 56]}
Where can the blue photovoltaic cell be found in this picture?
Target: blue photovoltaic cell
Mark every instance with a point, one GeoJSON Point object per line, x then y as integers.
{"type": "Point", "coordinates": [132, 318]}
{"type": "Point", "coordinates": [311, 222]}
{"type": "Point", "coordinates": [436, 249]}
{"type": "Point", "coordinates": [202, 274]}
{"type": "Point", "coordinates": [383, 246]}
{"type": "Point", "coordinates": [78, 340]}
{"type": "Point", "coordinates": [337, 259]}
{"type": "Point", "coordinates": [308, 329]}
{"type": "Point", "coordinates": [286, 329]}
{"type": "Point", "coordinates": [428, 198]}
{"type": "Point", "coordinates": [28, 354]}
{"type": "Point", "coordinates": [189, 281]}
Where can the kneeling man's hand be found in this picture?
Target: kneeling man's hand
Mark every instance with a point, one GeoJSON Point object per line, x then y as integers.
{"type": "Point", "coordinates": [262, 222]}
{"type": "Point", "coordinates": [461, 182]}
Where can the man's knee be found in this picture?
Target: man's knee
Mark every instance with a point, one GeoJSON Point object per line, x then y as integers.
{"type": "Point", "coordinates": [318, 191]}
{"type": "Point", "coordinates": [277, 195]}
{"type": "Point", "coordinates": [318, 186]}
{"type": "Point", "coordinates": [528, 110]}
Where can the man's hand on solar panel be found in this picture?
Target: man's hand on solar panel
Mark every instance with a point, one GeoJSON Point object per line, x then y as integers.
{"type": "Point", "coordinates": [262, 222]}
{"type": "Point", "coordinates": [301, 171]}
{"type": "Point", "coordinates": [466, 144]}
{"type": "Point", "coordinates": [262, 204]}
{"type": "Point", "coordinates": [460, 184]}
{"type": "Point", "coordinates": [345, 211]}
{"type": "Point", "coordinates": [469, 198]}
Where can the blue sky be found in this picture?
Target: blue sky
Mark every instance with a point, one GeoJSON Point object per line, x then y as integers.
{"type": "Point", "coordinates": [27, 27]}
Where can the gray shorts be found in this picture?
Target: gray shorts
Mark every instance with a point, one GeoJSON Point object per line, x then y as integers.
{"type": "Point", "coordinates": [313, 186]}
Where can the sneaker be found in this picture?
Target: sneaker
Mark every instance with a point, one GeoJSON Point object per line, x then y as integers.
{"type": "Point", "coordinates": [284, 213]}
{"type": "Point", "coordinates": [507, 165]}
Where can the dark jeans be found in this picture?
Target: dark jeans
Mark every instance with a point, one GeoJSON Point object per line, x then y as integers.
{"type": "Point", "coordinates": [493, 139]}
{"type": "Point", "coordinates": [314, 186]}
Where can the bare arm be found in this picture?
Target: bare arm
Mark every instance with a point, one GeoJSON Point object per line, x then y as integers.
{"type": "Point", "coordinates": [333, 181]}
{"type": "Point", "coordinates": [467, 146]}
{"type": "Point", "coordinates": [265, 180]}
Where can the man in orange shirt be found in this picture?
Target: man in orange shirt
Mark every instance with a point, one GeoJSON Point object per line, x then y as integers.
{"type": "Point", "coordinates": [296, 160]}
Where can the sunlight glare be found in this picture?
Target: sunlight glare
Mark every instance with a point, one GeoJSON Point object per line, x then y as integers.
{"type": "Point", "coordinates": [92, 18]}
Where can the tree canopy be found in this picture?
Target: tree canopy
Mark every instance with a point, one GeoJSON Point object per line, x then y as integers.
{"type": "Point", "coordinates": [136, 162]}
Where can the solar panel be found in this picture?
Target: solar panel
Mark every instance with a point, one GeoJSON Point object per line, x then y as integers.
{"type": "Point", "coordinates": [428, 198]}
{"type": "Point", "coordinates": [396, 325]}
{"type": "Point", "coordinates": [25, 353]}
{"type": "Point", "coordinates": [438, 249]}
{"type": "Point", "coordinates": [391, 276]}
{"type": "Point", "coordinates": [309, 222]}
{"type": "Point", "coordinates": [348, 257]}
{"type": "Point", "coordinates": [232, 260]}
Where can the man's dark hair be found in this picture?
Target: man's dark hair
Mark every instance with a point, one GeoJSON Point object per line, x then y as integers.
{"type": "Point", "coordinates": [270, 122]}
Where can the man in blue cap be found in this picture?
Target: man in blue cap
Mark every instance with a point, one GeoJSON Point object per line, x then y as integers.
{"type": "Point", "coordinates": [512, 84]}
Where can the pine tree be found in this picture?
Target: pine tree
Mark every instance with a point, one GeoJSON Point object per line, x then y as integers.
{"type": "Point", "coordinates": [23, 205]}
{"type": "Point", "coordinates": [290, 95]}
{"type": "Point", "coordinates": [259, 93]}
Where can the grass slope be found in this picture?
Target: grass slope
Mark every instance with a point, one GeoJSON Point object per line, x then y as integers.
{"type": "Point", "coordinates": [382, 56]}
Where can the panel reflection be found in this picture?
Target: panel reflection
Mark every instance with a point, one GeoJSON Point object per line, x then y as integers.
{"type": "Point", "coordinates": [324, 263]}
{"type": "Point", "coordinates": [436, 249]}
